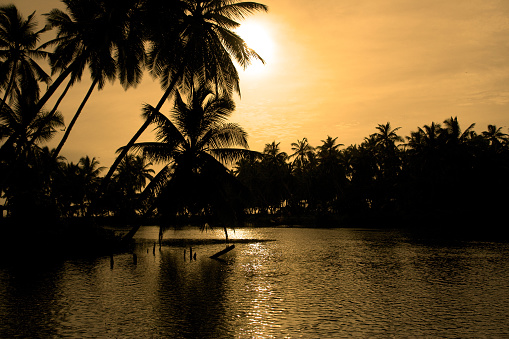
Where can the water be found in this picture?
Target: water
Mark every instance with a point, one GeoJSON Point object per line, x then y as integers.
{"type": "Point", "coordinates": [309, 283]}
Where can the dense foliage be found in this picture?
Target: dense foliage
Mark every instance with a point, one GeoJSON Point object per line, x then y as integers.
{"type": "Point", "coordinates": [438, 175]}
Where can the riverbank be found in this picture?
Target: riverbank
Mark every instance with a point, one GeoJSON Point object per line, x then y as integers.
{"type": "Point", "coordinates": [57, 240]}
{"type": "Point", "coordinates": [87, 237]}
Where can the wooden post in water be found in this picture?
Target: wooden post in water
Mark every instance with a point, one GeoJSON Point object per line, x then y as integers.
{"type": "Point", "coordinates": [194, 256]}
{"type": "Point", "coordinates": [160, 237]}
{"type": "Point", "coordinates": [190, 253]}
{"type": "Point", "coordinates": [111, 261]}
{"type": "Point", "coordinates": [135, 259]}
{"type": "Point", "coordinates": [154, 250]}
{"type": "Point", "coordinates": [184, 254]}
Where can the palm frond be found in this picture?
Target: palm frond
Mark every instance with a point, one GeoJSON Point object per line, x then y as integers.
{"type": "Point", "coordinates": [158, 183]}
{"type": "Point", "coordinates": [232, 155]}
{"type": "Point", "coordinates": [239, 10]}
{"type": "Point", "coordinates": [227, 135]}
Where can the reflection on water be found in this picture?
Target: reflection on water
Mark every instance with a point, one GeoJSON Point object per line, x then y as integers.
{"type": "Point", "coordinates": [319, 283]}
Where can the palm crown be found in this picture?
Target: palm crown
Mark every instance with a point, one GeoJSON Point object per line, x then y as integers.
{"type": "Point", "coordinates": [18, 40]}
{"type": "Point", "coordinates": [200, 44]}
{"type": "Point", "coordinates": [197, 140]}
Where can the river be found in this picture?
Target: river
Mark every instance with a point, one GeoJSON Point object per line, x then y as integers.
{"type": "Point", "coordinates": [308, 283]}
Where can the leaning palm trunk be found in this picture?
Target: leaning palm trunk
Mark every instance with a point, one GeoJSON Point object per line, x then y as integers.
{"type": "Point", "coordinates": [142, 129]}
{"type": "Point", "coordinates": [42, 101]}
{"type": "Point", "coordinates": [73, 121]}
{"type": "Point", "coordinates": [137, 225]}
{"type": "Point", "coordinates": [61, 97]}
{"type": "Point", "coordinates": [8, 89]}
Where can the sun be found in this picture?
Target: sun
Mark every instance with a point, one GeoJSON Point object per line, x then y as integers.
{"type": "Point", "coordinates": [257, 37]}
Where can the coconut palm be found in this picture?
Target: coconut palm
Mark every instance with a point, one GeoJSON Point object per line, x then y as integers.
{"type": "Point", "coordinates": [275, 175]}
{"type": "Point", "coordinates": [193, 146]}
{"type": "Point", "coordinates": [129, 180]}
{"type": "Point", "coordinates": [134, 172]}
{"type": "Point", "coordinates": [18, 54]}
{"type": "Point", "coordinates": [22, 177]}
{"type": "Point", "coordinates": [426, 139]}
{"type": "Point", "coordinates": [387, 137]}
{"type": "Point", "coordinates": [101, 34]}
{"type": "Point", "coordinates": [330, 174]}
{"type": "Point", "coordinates": [453, 133]}
{"type": "Point", "coordinates": [386, 150]}
{"type": "Point", "coordinates": [202, 43]}
{"type": "Point", "coordinates": [76, 186]}
{"type": "Point", "coordinates": [328, 149]}
{"type": "Point", "coordinates": [23, 127]}
{"type": "Point", "coordinates": [302, 152]}
{"type": "Point", "coordinates": [495, 136]}
{"type": "Point", "coordinates": [273, 151]}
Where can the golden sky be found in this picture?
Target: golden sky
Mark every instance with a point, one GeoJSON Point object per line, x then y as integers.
{"type": "Point", "coordinates": [338, 68]}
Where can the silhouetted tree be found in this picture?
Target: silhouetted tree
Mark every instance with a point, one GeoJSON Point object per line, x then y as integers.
{"type": "Point", "coordinates": [23, 177]}
{"type": "Point", "coordinates": [201, 43]}
{"type": "Point", "coordinates": [19, 70]}
{"type": "Point", "coordinates": [76, 186]}
{"type": "Point", "coordinates": [100, 34]}
{"type": "Point", "coordinates": [193, 146]}
{"type": "Point", "coordinates": [129, 180]}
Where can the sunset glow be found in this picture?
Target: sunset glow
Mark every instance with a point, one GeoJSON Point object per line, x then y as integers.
{"type": "Point", "coordinates": [334, 68]}
{"type": "Point", "coordinates": [258, 37]}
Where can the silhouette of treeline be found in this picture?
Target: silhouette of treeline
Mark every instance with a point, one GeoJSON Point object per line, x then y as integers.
{"type": "Point", "coordinates": [439, 176]}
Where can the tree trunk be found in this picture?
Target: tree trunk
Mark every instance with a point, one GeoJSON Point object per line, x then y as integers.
{"type": "Point", "coordinates": [73, 121]}
{"type": "Point", "coordinates": [31, 141]}
{"type": "Point", "coordinates": [53, 87]}
{"type": "Point", "coordinates": [137, 226]}
{"type": "Point", "coordinates": [8, 89]}
{"type": "Point", "coordinates": [54, 109]}
{"type": "Point", "coordinates": [142, 129]}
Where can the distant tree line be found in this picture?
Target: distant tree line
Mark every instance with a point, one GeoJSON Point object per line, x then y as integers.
{"type": "Point", "coordinates": [439, 176]}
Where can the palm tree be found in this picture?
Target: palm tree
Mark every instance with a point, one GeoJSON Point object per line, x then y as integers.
{"type": "Point", "coordinates": [330, 176]}
{"type": "Point", "coordinates": [453, 132]}
{"type": "Point", "coordinates": [101, 34]}
{"type": "Point", "coordinates": [24, 129]}
{"type": "Point", "coordinates": [134, 172]}
{"type": "Point", "coordinates": [18, 40]}
{"type": "Point", "coordinates": [129, 180]}
{"type": "Point", "coordinates": [193, 146]}
{"type": "Point", "coordinates": [387, 151]}
{"type": "Point", "coordinates": [273, 151]}
{"type": "Point", "coordinates": [76, 186]}
{"type": "Point", "coordinates": [387, 137]}
{"type": "Point", "coordinates": [275, 175]}
{"type": "Point", "coordinates": [302, 151]}
{"type": "Point", "coordinates": [426, 139]}
{"type": "Point", "coordinates": [328, 149]}
{"type": "Point", "coordinates": [201, 44]}
{"type": "Point", "coordinates": [495, 136]}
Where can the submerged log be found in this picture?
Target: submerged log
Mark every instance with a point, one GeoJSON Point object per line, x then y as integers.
{"type": "Point", "coordinates": [226, 250]}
